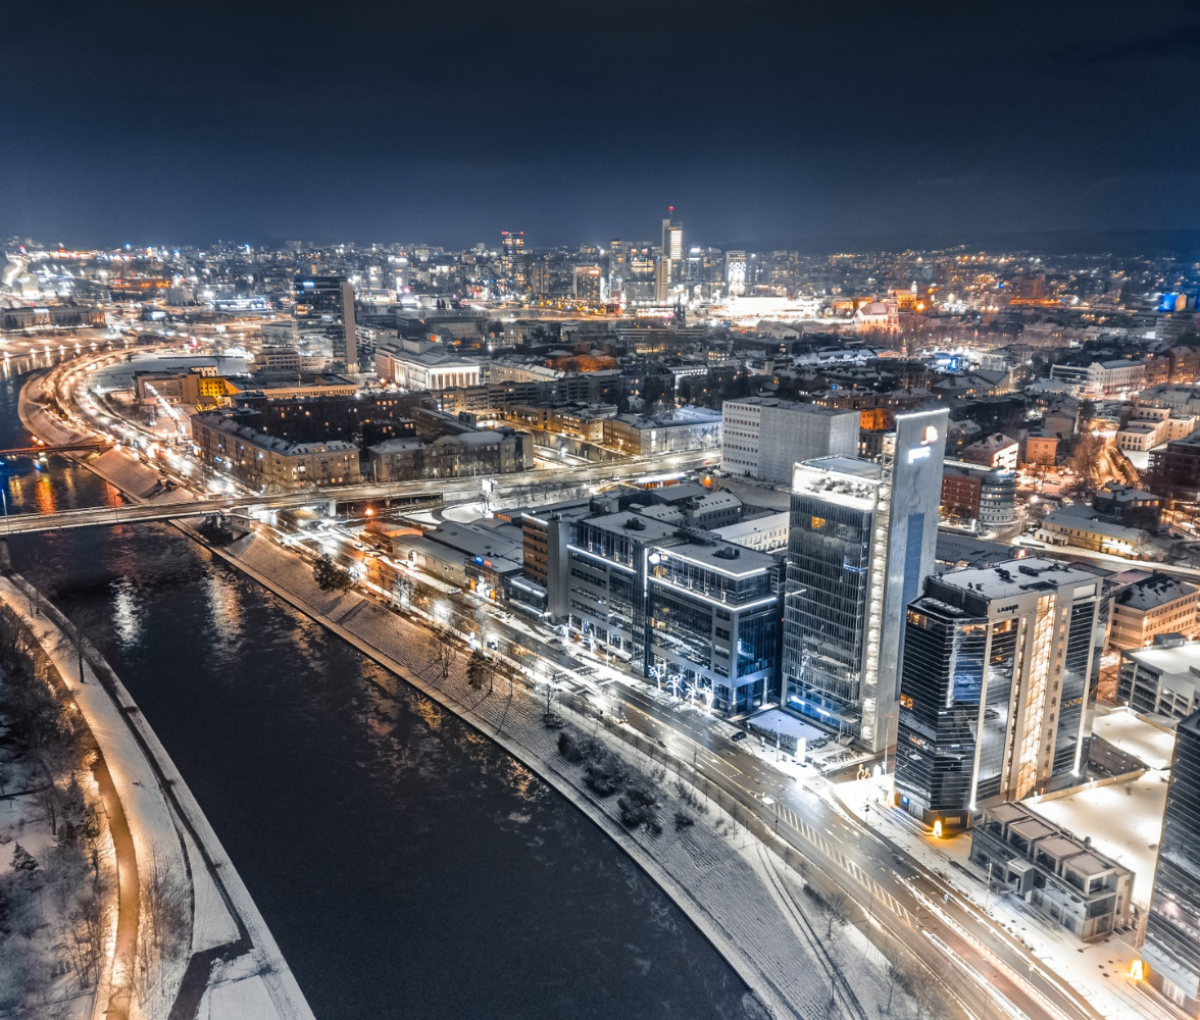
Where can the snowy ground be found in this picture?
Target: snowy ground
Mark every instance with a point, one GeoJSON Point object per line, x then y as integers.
{"type": "Point", "coordinates": [742, 896]}
{"type": "Point", "coordinates": [1100, 971]}
{"type": "Point", "coordinates": [161, 844]}
{"type": "Point", "coordinates": [787, 725]}
{"type": "Point", "coordinates": [23, 821]}
{"type": "Point", "coordinates": [1124, 821]}
{"type": "Point", "coordinates": [1129, 732]}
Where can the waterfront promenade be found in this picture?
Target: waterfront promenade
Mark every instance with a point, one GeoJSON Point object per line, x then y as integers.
{"type": "Point", "coordinates": [224, 964]}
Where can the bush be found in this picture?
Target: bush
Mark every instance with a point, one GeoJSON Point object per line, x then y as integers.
{"type": "Point", "coordinates": [683, 821]}
{"type": "Point", "coordinates": [604, 778]}
{"type": "Point", "coordinates": [635, 813]}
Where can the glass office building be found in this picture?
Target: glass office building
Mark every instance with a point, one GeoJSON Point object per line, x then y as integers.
{"type": "Point", "coordinates": [697, 615]}
{"type": "Point", "coordinates": [714, 623]}
{"type": "Point", "coordinates": [863, 537]}
{"type": "Point", "coordinates": [1172, 946]}
{"type": "Point", "coordinates": [941, 690]}
{"type": "Point", "coordinates": [994, 700]}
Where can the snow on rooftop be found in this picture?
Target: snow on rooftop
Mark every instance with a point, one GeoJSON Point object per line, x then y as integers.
{"type": "Point", "coordinates": [1129, 732]}
{"type": "Point", "coordinates": [1124, 821]}
{"type": "Point", "coordinates": [788, 725]}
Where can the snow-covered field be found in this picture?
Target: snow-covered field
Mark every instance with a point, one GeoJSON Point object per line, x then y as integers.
{"type": "Point", "coordinates": [1129, 732]}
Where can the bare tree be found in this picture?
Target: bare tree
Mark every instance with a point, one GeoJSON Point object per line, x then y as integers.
{"type": "Point", "coordinates": [445, 657]}
{"type": "Point", "coordinates": [164, 929]}
{"type": "Point", "coordinates": [836, 916]}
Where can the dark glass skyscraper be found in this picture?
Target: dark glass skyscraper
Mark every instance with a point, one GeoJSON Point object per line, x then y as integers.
{"type": "Point", "coordinates": [941, 690]}
{"type": "Point", "coordinates": [324, 305]}
{"type": "Point", "coordinates": [1172, 947]}
{"type": "Point", "coordinates": [861, 542]}
{"type": "Point", "coordinates": [997, 667]}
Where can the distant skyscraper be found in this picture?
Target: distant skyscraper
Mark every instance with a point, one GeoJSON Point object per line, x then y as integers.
{"type": "Point", "coordinates": [672, 248]}
{"type": "Point", "coordinates": [995, 685]}
{"type": "Point", "coordinates": [618, 266]}
{"type": "Point", "coordinates": [861, 544]}
{"type": "Point", "coordinates": [539, 277]}
{"type": "Point", "coordinates": [512, 258]}
{"type": "Point", "coordinates": [1172, 946]}
{"type": "Point", "coordinates": [325, 305]}
{"type": "Point", "coordinates": [735, 272]}
{"type": "Point", "coordinates": [587, 284]}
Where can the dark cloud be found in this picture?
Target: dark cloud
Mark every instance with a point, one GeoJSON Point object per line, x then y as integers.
{"type": "Point", "coordinates": [448, 121]}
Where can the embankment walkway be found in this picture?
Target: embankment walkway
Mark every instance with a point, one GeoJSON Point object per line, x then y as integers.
{"type": "Point", "coordinates": [229, 963]}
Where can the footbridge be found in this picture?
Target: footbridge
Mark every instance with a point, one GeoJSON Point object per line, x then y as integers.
{"type": "Point", "coordinates": [644, 469]}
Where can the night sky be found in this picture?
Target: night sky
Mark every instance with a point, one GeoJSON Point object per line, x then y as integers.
{"type": "Point", "coordinates": [764, 123]}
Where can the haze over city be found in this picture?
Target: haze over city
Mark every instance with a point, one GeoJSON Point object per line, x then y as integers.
{"type": "Point", "coordinates": [769, 124]}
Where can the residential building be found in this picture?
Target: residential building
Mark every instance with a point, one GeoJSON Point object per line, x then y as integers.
{"type": "Point", "coordinates": [999, 663]}
{"type": "Point", "coordinates": [1175, 468]}
{"type": "Point", "coordinates": [1172, 944]}
{"type": "Point", "coordinates": [513, 259]}
{"type": "Point", "coordinates": [364, 418]}
{"type": "Point", "coordinates": [470, 453]}
{"type": "Point", "coordinates": [1150, 606]}
{"type": "Point", "coordinates": [1061, 877]}
{"type": "Point", "coordinates": [994, 451]}
{"type": "Point", "coordinates": [765, 437]}
{"type": "Point", "coordinates": [1150, 426]}
{"type": "Point", "coordinates": [684, 428]}
{"type": "Point", "coordinates": [1083, 527]}
{"type": "Point", "coordinates": [1126, 505]}
{"type": "Point", "coordinates": [268, 463]}
{"type": "Point", "coordinates": [980, 495]}
{"type": "Point", "coordinates": [1101, 378]}
{"type": "Point", "coordinates": [863, 539]}
{"type": "Point", "coordinates": [588, 284]}
{"type": "Point", "coordinates": [1040, 450]}
{"type": "Point", "coordinates": [1163, 679]}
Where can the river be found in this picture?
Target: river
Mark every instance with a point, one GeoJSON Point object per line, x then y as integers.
{"type": "Point", "coordinates": [406, 866]}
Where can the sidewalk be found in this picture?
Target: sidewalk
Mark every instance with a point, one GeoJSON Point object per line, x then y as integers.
{"type": "Point", "coordinates": [168, 839]}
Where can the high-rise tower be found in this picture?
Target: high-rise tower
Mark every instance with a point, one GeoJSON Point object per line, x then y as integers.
{"type": "Point", "coordinates": [1172, 946]}
{"type": "Point", "coordinates": [861, 543]}
{"type": "Point", "coordinates": [995, 694]}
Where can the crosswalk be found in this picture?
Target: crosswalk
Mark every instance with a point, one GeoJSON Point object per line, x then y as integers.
{"type": "Point", "coordinates": [817, 839]}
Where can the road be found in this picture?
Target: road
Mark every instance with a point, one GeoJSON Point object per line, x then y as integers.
{"type": "Point", "coordinates": [897, 894]}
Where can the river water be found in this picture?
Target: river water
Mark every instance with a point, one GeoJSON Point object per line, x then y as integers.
{"type": "Point", "coordinates": [406, 866]}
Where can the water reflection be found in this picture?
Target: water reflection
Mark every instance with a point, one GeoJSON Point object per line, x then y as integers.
{"type": "Point", "coordinates": [406, 865]}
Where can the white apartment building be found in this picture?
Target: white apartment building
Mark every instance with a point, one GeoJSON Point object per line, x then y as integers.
{"type": "Point", "coordinates": [1149, 427]}
{"type": "Point", "coordinates": [1101, 378]}
{"type": "Point", "coordinates": [765, 437]}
